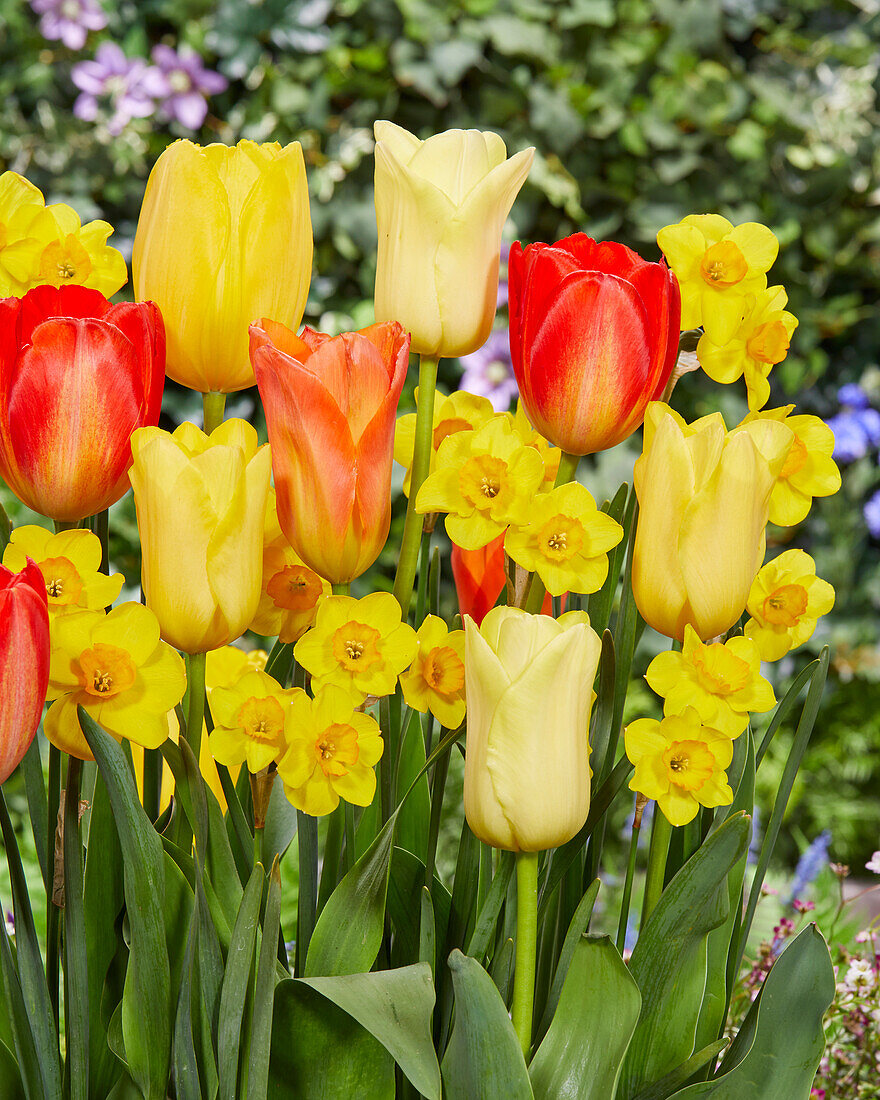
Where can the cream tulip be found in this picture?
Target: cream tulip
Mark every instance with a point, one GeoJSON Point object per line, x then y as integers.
{"type": "Point", "coordinates": [224, 237]}
{"type": "Point", "coordinates": [200, 506]}
{"type": "Point", "coordinates": [529, 685]}
{"type": "Point", "coordinates": [704, 496]}
{"type": "Point", "coordinates": [441, 205]}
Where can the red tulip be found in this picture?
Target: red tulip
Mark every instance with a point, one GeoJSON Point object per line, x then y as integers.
{"type": "Point", "coordinates": [594, 334]}
{"type": "Point", "coordinates": [24, 661]}
{"type": "Point", "coordinates": [77, 376]}
{"type": "Point", "coordinates": [479, 577]}
{"type": "Point", "coordinates": [330, 406]}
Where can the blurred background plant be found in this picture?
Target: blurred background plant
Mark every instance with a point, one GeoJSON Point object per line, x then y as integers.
{"type": "Point", "coordinates": [641, 111]}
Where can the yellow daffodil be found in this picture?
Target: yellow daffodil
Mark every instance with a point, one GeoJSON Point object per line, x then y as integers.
{"type": "Point", "coordinates": [289, 591]}
{"type": "Point", "coordinates": [484, 480]}
{"type": "Point", "coordinates": [717, 267]}
{"type": "Point", "coordinates": [460, 412]}
{"type": "Point", "coordinates": [252, 721]}
{"type": "Point", "coordinates": [70, 563]}
{"type": "Point", "coordinates": [115, 667]}
{"type": "Point", "coordinates": [566, 540]}
{"type": "Point", "coordinates": [680, 763]}
{"type": "Point", "coordinates": [529, 690]}
{"type": "Point", "coordinates": [201, 502]}
{"type": "Point", "coordinates": [48, 244]}
{"type": "Point", "coordinates": [761, 341]}
{"type": "Point", "coordinates": [435, 680]}
{"type": "Point", "coordinates": [360, 645]}
{"type": "Point", "coordinates": [331, 754]}
{"type": "Point", "coordinates": [704, 495]}
{"type": "Point", "coordinates": [723, 683]}
{"type": "Point", "coordinates": [786, 601]}
{"type": "Point", "coordinates": [809, 471]}
{"type": "Point", "coordinates": [550, 454]}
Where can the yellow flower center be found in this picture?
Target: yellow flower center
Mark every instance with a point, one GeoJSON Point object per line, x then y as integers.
{"type": "Point", "coordinates": [443, 670]}
{"type": "Point", "coordinates": [64, 261]}
{"type": "Point", "coordinates": [560, 538]}
{"type": "Point", "coordinates": [796, 460]}
{"type": "Point", "coordinates": [105, 670]}
{"type": "Point", "coordinates": [723, 265]}
{"type": "Point", "coordinates": [262, 720]}
{"type": "Point", "coordinates": [63, 582]}
{"type": "Point", "coordinates": [482, 480]}
{"type": "Point", "coordinates": [295, 588]}
{"type": "Point", "coordinates": [785, 606]}
{"type": "Point", "coordinates": [450, 426]}
{"type": "Point", "coordinates": [337, 750]}
{"type": "Point", "coordinates": [356, 646]}
{"type": "Point", "coordinates": [769, 343]}
{"type": "Point", "coordinates": [719, 671]}
{"type": "Point", "coordinates": [688, 764]}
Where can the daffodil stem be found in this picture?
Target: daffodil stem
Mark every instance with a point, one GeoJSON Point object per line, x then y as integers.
{"type": "Point", "coordinates": [412, 528]}
{"type": "Point", "coordinates": [661, 834]}
{"type": "Point", "coordinates": [195, 710]}
{"type": "Point", "coordinates": [349, 836]}
{"type": "Point", "coordinates": [307, 901]}
{"type": "Point", "coordinates": [438, 786]}
{"type": "Point", "coordinates": [630, 873]}
{"type": "Point", "coordinates": [152, 782]}
{"type": "Point", "coordinates": [213, 408]}
{"type": "Point", "coordinates": [332, 851]}
{"type": "Point", "coordinates": [567, 471]}
{"type": "Point", "coordinates": [258, 844]}
{"type": "Point", "coordinates": [526, 948]}
{"type": "Point", "coordinates": [424, 568]}
{"type": "Point", "coordinates": [341, 589]}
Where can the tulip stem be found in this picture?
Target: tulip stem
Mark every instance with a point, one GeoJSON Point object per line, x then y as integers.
{"type": "Point", "coordinates": [213, 408]}
{"type": "Point", "coordinates": [641, 802]}
{"type": "Point", "coordinates": [341, 589]}
{"type": "Point", "coordinates": [526, 948]}
{"type": "Point", "coordinates": [195, 709]}
{"type": "Point", "coordinates": [567, 471]}
{"type": "Point", "coordinates": [412, 528]}
{"type": "Point", "coordinates": [661, 834]}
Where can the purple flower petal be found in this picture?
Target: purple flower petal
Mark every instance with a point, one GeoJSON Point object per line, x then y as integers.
{"type": "Point", "coordinates": [85, 107]}
{"type": "Point", "coordinates": [189, 110]}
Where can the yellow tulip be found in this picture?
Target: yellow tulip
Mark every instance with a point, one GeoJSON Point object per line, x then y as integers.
{"type": "Point", "coordinates": [200, 505]}
{"type": "Point", "coordinates": [704, 495]}
{"type": "Point", "coordinates": [528, 680]}
{"type": "Point", "coordinates": [441, 205]}
{"type": "Point", "coordinates": [224, 237]}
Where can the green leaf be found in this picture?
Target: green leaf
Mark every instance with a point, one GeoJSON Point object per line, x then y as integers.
{"type": "Point", "coordinates": [478, 945]}
{"type": "Point", "coordinates": [576, 929]}
{"type": "Point", "coordinates": [11, 1087]}
{"type": "Point", "coordinates": [427, 931]}
{"type": "Point", "coordinates": [348, 934]}
{"type": "Point", "coordinates": [582, 1053]}
{"type": "Point", "coordinates": [320, 1053]}
{"type": "Point", "coordinates": [405, 886]}
{"type": "Point", "coordinates": [280, 828]}
{"type": "Point", "coordinates": [778, 1048]}
{"type": "Point", "coordinates": [28, 1070]}
{"type": "Point", "coordinates": [31, 976]}
{"type": "Point", "coordinates": [233, 996]}
{"type": "Point", "coordinates": [146, 998]}
{"type": "Point", "coordinates": [76, 975]}
{"type": "Point", "coordinates": [264, 999]}
{"type": "Point", "coordinates": [395, 1006]}
{"type": "Point", "coordinates": [667, 1085]}
{"type": "Point", "coordinates": [412, 825]}
{"type": "Point", "coordinates": [669, 960]}
{"type": "Point", "coordinates": [483, 1058]}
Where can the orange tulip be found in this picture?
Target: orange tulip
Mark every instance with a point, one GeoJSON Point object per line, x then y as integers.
{"type": "Point", "coordinates": [479, 577]}
{"type": "Point", "coordinates": [330, 406]}
{"type": "Point", "coordinates": [77, 376]}
{"type": "Point", "coordinates": [24, 661]}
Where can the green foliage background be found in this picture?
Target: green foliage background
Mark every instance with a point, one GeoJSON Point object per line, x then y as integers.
{"type": "Point", "coordinates": [641, 111]}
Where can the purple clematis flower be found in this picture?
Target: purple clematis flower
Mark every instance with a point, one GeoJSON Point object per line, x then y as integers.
{"type": "Point", "coordinates": [69, 20]}
{"type": "Point", "coordinates": [488, 372]}
{"type": "Point", "coordinates": [129, 84]}
{"type": "Point", "coordinates": [189, 83]}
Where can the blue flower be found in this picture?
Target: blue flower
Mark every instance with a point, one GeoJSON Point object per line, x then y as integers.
{"type": "Point", "coordinates": [813, 859]}
{"type": "Point", "coordinates": [852, 396]}
{"type": "Point", "coordinates": [850, 437]}
{"type": "Point", "coordinates": [871, 512]}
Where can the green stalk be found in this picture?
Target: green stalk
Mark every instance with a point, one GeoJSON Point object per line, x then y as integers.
{"type": "Point", "coordinates": [152, 782]}
{"type": "Point", "coordinates": [661, 833]}
{"type": "Point", "coordinates": [412, 529]}
{"type": "Point", "coordinates": [307, 902]}
{"type": "Point", "coordinates": [213, 408]}
{"type": "Point", "coordinates": [332, 851]}
{"type": "Point", "coordinates": [53, 913]}
{"type": "Point", "coordinates": [630, 872]}
{"type": "Point", "coordinates": [424, 569]}
{"type": "Point", "coordinates": [438, 785]}
{"type": "Point", "coordinates": [567, 471]}
{"type": "Point", "coordinates": [348, 861]}
{"type": "Point", "coordinates": [195, 711]}
{"type": "Point", "coordinates": [526, 948]}
{"type": "Point", "coordinates": [341, 589]}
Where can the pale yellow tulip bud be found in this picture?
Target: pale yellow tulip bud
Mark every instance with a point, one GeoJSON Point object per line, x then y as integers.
{"type": "Point", "coordinates": [441, 205]}
{"type": "Point", "coordinates": [224, 237]}
{"type": "Point", "coordinates": [529, 686]}
{"type": "Point", "coordinates": [200, 507]}
{"type": "Point", "coordinates": [704, 495]}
